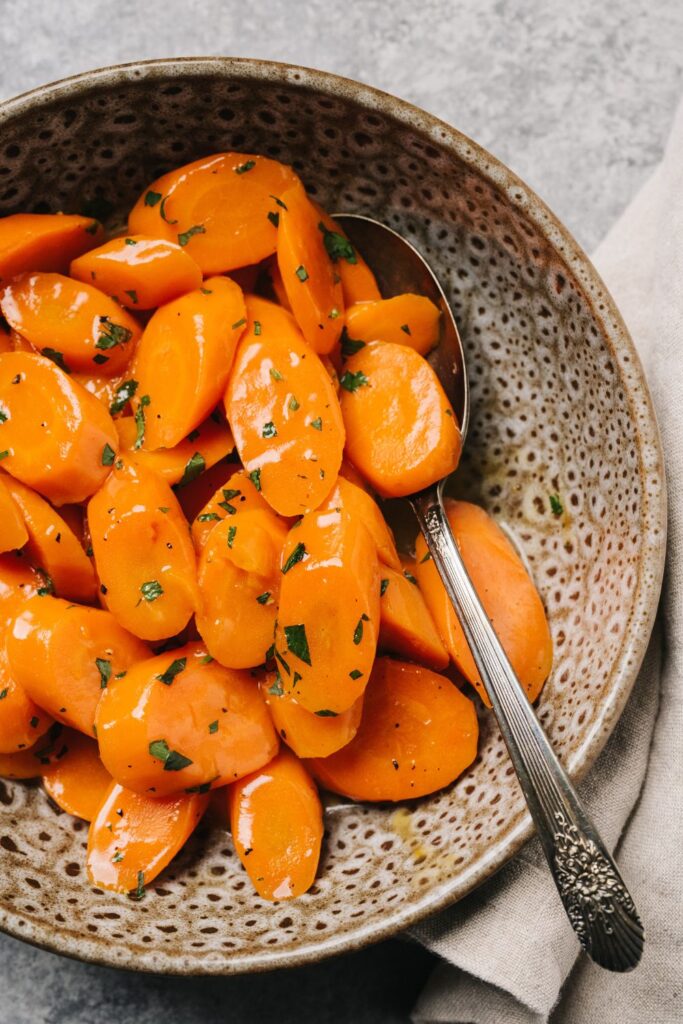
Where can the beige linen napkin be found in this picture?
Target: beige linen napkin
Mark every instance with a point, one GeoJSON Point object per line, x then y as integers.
{"type": "Point", "coordinates": [509, 954]}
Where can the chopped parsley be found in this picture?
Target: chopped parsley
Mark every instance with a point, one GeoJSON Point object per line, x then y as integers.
{"type": "Point", "coordinates": [133, 295]}
{"type": "Point", "coordinates": [3, 693]}
{"type": "Point", "coordinates": [232, 530]}
{"type": "Point", "coordinates": [301, 273]}
{"type": "Point", "coordinates": [276, 689]}
{"type": "Point", "coordinates": [104, 668]}
{"type": "Point", "coordinates": [207, 659]}
{"type": "Point", "coordinates": [185, 236]}
{"type": "Point", "coordinates": [556, 506]}
{"type": "Point", "coordinates": [56, 357]}
{"type": "Point", "coordinates": [406, 329]}
{"type": "Point", "coordinates": [293, 404]}
{"type": "Point", "coordinates": [279, 202]}
{"type": "Point", "coordinates": [140, 421]}
{"type": "Point", "coordinates": [152, 198]}
{"type": "Point", "coordinates": [112, 334]}
{"type": "Point", "coordinates": [297, 643]}
{"type": "Point", "coordinates": [296, 555]}
{"type": "Point", "coordinates": [255, 477]}
{"type": "Point", "coordinates": [162, 211]}
{"type": "Point", "coordinates": [274, 218]}
{"type": "Point", "coordinates": [3, 455]}
{"type": "Point", "coordinates": [243, 168]}
{"type": "Point", "coordinates": [140, 891]}
{"type": "Point", "coordinates": [257, 327]}
{"type": "Point", "coordinates": [409, 576]}
{"type": "Point", "coordinates": [48, 586]}
{"type": "Point", "coordinates": [350, 346]}
{"type": "Point", "coordinates": [173, 761]}
{"type": "Point", "coordinates": [352, 381]}
{"type": "Point", "coordinates": [358, 631]}
{"type": "Point", "coordinates": [208, 517]}
{"type": "Point", "coordinates": [356, 674]}
{"type": "Point", "coordinates": [229, 493]}
{"type": "Point", "coordinates": [269, 430]}
{"type": "Point", "coordinates": [426, 558]}
{"type": "Point", "coordinates": [382, 587]}
{"type": "Point", "coordinates": [264, 597]}
{"type": "Point", "coordinates": [317, 423]}
{"type": "Point", "coordinates": [213, 727]}
{"type": "Point", "coordinates": [108, 455]}
{"type": "Point", "coordinates": [194, 467]}
{"type": "Point", "coordinates": [326, 714]}
{"type": "Point", "coordinates": [174, 669]}
{"type": "Point", "coordinates": [337, 246]}
{"type": "Point", "coordinates": [275, 374]}
{"type": "Point", "coordinates": [238, 323]}
{"type": "Point", "coordinates": [151, 590]}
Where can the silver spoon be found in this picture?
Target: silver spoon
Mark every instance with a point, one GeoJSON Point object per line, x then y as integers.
{"type": "Point", "coordinates": [595, 898]}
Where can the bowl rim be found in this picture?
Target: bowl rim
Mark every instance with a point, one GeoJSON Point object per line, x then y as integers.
{"type": "Point", "coordinates": [653, 508]}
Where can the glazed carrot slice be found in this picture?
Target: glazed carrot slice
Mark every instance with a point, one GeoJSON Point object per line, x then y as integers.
{"type": "Point", "coordinates": [409, 442]}
{"type": "Point", "coordinates": [30, 764]}
{"type": "Point", "coordinates": [180, 721]}
{"type": "Point", "coordinates": [54, 436]}
{"type": "Point", "coordinates": [78, 782]}
{"type": "Point", "coordinates": [22, 722]}
{"type": "Point", "coordinates": [361, 506]}
{"type": "Point", "coordinates": [328, 618]}
{"type": "Point", "coordinates": [411, 320]}
{"type": "Point", "coordinates": [239, 586]}
{"type": "Point", "coordinates": [313, 292]}
{"type": "Point", "coordinates": [183, 463]}
{"type": "Point", "coordinates": [236, 494]}
{"type": "Point", "coordinates": [276, 820]}
{"type": "Point", "coordinates": [105, 389]}
{"type": "Point", "coordinates": [133, 837]}
{"type": "Point", "coordinates": [72, 323]}
{"type": "Point", "coordinates": [307, 734]}
{"type": "Point", "coordinates": [183, 360]}
{"type": "Point", "coordinates": [417, 734]}
{"type": "Point", "coordinates": [406, 626]}
{"type": "Point", "coordinates": [53, 546]}
{"type": "Point", "coordinates": [357, 280]}
{"type": "Point", "coordinates": [44, 241]}
{"type": "Point", "coordinates": [218, 208]}
{"type": "Point", "coordinates": [143, 552]}
{"type": "Point", "coordinates": [141, 272]}
{"type": "Point", "coordinates": [283, 411]}
{"type": "Point", "coordinates": [18, 581]}
{"type": "Point", "coordinates": [506, 590]}
{"type": "Point", "coordinates": [64, 655]}
{"type": "Point", "coordinates": [14, 534]}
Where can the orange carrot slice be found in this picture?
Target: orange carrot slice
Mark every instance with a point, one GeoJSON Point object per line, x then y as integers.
{"type": "Point", "coordinates": [22, 722]}
{"type": "Point", "coordinates": [64, 655]}
{"type": "Point", "coordinates": [181, 721]}
{"type": "Point", "coordinates": [284, 412]}
{"type": "Point", "coordinates": [44, 241]}
{"type": "Point", "coordinates": [74, 324]}
{"type": "Point", "coordinates": [405, 444]}
{"type": "Point", "coordinates": [141, 272]}
{"type": "Point", "coordinates": [54, 436]}
{"type": "Point", "coordinates": [187, 460]}
{"type": "Point", "coordinates": [276, 821]}
{"type": "Point", "coordinates": [105, 389]}
{"type": "Point", "coordinates": [307, 734]}
{"type": "Point", "coordinates": [506, 590]}
{"type": "Point", "coordinates": [417, 734]}
{"type": "Point", "coordinates": [411, 320]}
{"type": "Point", "coordinates": [222, 209]}
{"type": "Point", "coordinates": [183, 360]}
{"type": "Point", "coordinates": [30, 764]}
{"type": "Point", "coordinates": [143, 553]}
{"type": "Point", "coordinates": [325, 642]}
{"type": "Point", "coordinates": [406, 626]}
{"type": "Point", "coordinates": [361, 506]}
{"type": "Point", "coordinates": [78, 782]}
{"type": "Point", "coordinates": [14, 534]}
{"type": "Point", "coordinates": [236, 494]}
{"type": "Point", "coordinates": [133, 837]}
{"type": "Point", "coordinates": [18, 581]}
{"type": "Point", "coordinates": [53, 546]}
{"type": "Point", "coordinates": [239, 585]}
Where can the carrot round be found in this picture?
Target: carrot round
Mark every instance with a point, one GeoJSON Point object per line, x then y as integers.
{"type": "Point", "coordinates": [357, 280]}
{"type": "Point", "coordinates": [53, 546]}
{"type": "Point", "coordinates": [417, 734]}
{"type": "Point", "coordinates": [143, 553]}
{"type": "Point", "coordinates": [359, 504]}
{"type": "Point", "coordinates": [31, 763]}
{"type": "Point", "coordinates": [276, 820]}
{"type": "Point", "coordinates": [74, 324]}
{"type": "Point", "coordinates": [236, 494]}
{"type": "Point", "coordinates": [401, 431]}
{"type": "Point", "coordinates": [506, 591]}
{"type": "Point", "coordinates": [44, 241]}
{"type": "Point", "coordinates": [22, 722]}
{"type": "Point", "coordinates": [65, 655]}
{"type": "Point", "coordinates": [188, 459]}
{"type": "Point", "coordinates": [141, 272]}
{"type": "Point", "coordinates": [239, 586]}
{"type": "Point", "coordinates": [181, 721]}
{"type": "Point", "coordinates": [133, 837]}
{"type": "Point", "coordinates": [406, 626]}
{"type": "Point", "coordinates": [411, 320]}
{"type": "Point", "coordinates": [54, 436]}
{"type": "Point", "coordinates": [307, 734]}
{"type": "Point", "coordinates": [78, 782]}
{"type": "Point", "coordinates": [222, 209]}
{"type": "Point", "coordinates": [14, 534]}
{"type": "Point", "coordinates": [284, 413]}
{"type": "Point", "coordinates": [183, 360]}
{"type": "Point", "coordinates": [328, 618]}
{"type": "Point", "coordinates": [105, 389]}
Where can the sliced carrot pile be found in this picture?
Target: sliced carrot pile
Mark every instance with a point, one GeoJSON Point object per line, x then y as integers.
{"type": "Point", "coordinates": [411, 320]}
{"type": "Point", "coordinates": [236, 494]}
{"type": "Point", "coordinates": [183, 361]}
{"type": "Point", "coordinates": [78, 782]}
{"type": "Point", "coordinates": [507, 592]}
{"type": "Point", "coordinates": [417, 734]}
{"type": "Point", "coordinates": [44, 241]}
{"type": "Point", "coordinates": [140, 272]}
{"type": "Point", "coordinates": [133, 837]}
{"type": "Point", "coordinates": [308, 734]}
{"type": "Point", "coordinates": [284, 412]}
{"type": "Point", "coordinates": [78, 327]}
{"type": "Point", "coordinates": [277, 827]}
{"type": "Point", "coordinates": [188, 459]}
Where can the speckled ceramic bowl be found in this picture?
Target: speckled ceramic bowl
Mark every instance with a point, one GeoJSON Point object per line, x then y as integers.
{"type": "Point", "coordinates": [559, 405]}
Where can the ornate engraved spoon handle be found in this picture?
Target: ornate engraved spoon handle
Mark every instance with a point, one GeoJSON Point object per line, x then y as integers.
{"type": "Point", "coordinates": [597, 902]}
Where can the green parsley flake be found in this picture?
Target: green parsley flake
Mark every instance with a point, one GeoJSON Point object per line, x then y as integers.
{"type": "Point", "coordinates": [3, 455]}
{"type": "Point", "coordinates": [352, 381]}
{"type": "Point", "coordinates": [409, 576]}
{"type": "Point", "coordinates": [269, 430]}
{"type": "Point", "coordinates": [213, 727]}
{"type": "Point", "coordinates": [276, 689]}
{"type": "Point", "coordinates": [152, 198]}
{"type": "Point", "coordinates": [140, 891]}
{"type": "Point", "coordinates": [232, 530]}
{"type": "Point", "coordinates": [208, 517]}
{"type": "Point", "coordinates": [108, 455]}
{"type": "Point", "coordinates": [151, 590]}
{"type": "Point", "coordinates": [337, 246]}
{"type": "Point", "coordinates": [118, 857]}
{"type": "Point", "coordinates": [174, 669]}
{"type": "Point", "coordinates": [206, 660]}
{"type": "Point", "coordinates": [112, 334]}
{"type": "Point", "coordinates": [194, 467]}
{"type": "Point", "coordinates": [301, 273]}
{"type": "Point", "coordinates": [162, 211]}
{"type": "Point", "coordinates": [326, 714]}
{"type": "Point", "coordinates": [229, 493]}
{"type": "Point", "coordinates": [317, 423]}
{"type": "Point", "coordinates": [185, 236]}
{"type": "Point", "coordinates": [257, 327]}
{"type": "Point", "coordinates": [406, 329]}
{"type": "Point", "coordinates": [296, 555]}
{"type": "Point", "coordinates": [278, 201]}
{"type": "Point", "coordinates": [104, 668]}
{"type": "Point", "coordinates": [274, 218]}
{"type": "Point", "coordinates": [48, 586]}
{"type": "Point", "coordinates": [426, 558]}
{"type": "Point", "coordinates": [56, 357]}
{"type": "Point", "coordinates": [255, 477]}
{"type": "Point", "coordinates": [349, 346]}
{"type": "Point", "coordinates": [275, 374]}
{"type": "Point", "coordinates": [356, 674]}
{"type": "Point", "coordinates": [140, 421]}
{"type": "Point", "coordinates": [293, 404]}
{"type": "Point", "coordinates": [382, 587]}
{"type": "Point", "coordinates": [358, 631]}
{"type": "Point", "coordinates": [264, 598]}
{"type": "Point", "coordinates": [238, 323]}
{"type": "Point", "coordinates": [556, 506]}
{"type": "Point", "coordinates": [243, 168]}
{"type": "Point", "coordinates": [297, 643]}
{"type": "Point", "coordinates": [133, 295]}
{"type": "Point", "coordinates": [173, 761]}
{"type": "Point", "coordinates": [3, 693]}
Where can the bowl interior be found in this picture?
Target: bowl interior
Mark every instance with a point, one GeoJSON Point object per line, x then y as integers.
{"type": "Point", "coordinates": [559, 406]}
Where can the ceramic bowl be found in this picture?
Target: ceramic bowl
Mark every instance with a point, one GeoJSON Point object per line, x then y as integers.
{"type": "Point", "coordinates": [559, 405]}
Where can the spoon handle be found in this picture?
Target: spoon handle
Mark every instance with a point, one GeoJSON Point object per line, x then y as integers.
{"type": "Point", "coordinates": [595, 898]}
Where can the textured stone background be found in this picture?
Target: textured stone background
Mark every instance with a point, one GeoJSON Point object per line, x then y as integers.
{"type": "Point", "coordinates": [576, 97]}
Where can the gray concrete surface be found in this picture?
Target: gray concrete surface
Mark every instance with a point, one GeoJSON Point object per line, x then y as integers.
{"type": "Point", "coordinates": [576, 96]}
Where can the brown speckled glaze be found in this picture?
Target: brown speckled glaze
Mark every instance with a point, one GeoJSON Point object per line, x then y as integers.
{"type": "Point", "coordinates": [559, 405]}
